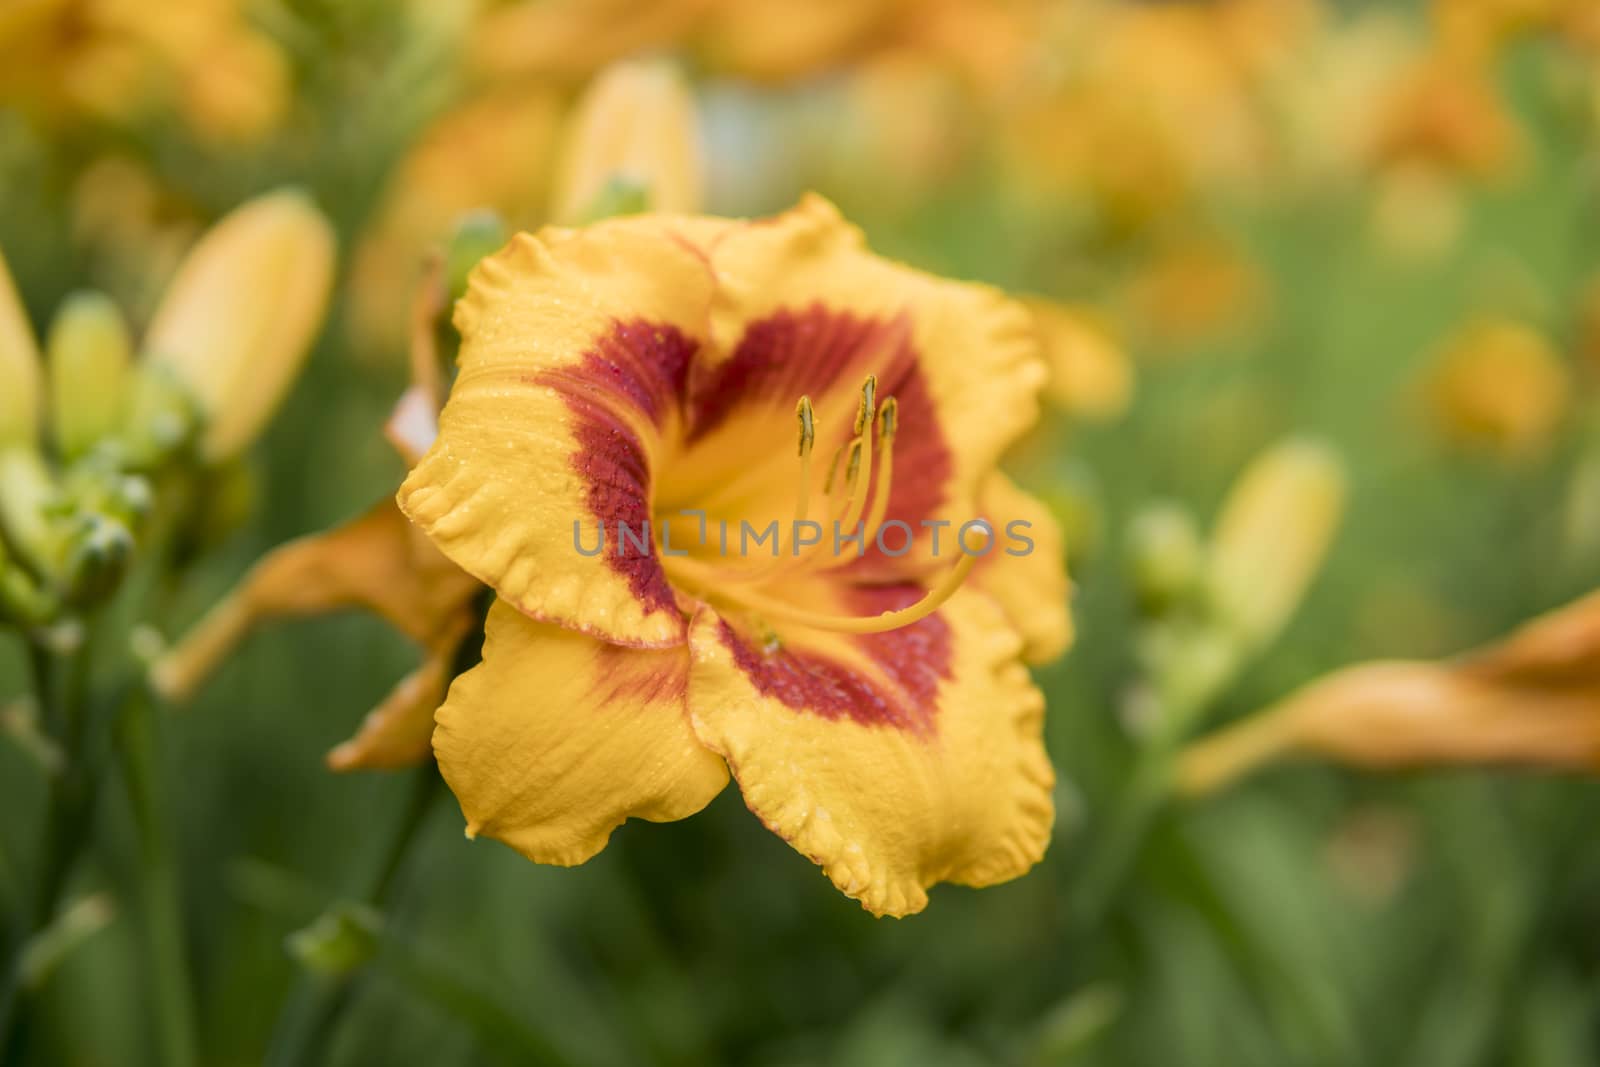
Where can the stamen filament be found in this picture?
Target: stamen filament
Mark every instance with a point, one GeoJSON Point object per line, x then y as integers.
{"type": "Point", "coordinates": [888, 421]}
{"type": "Point", "coordinates": [866, 624]}
{"type": "Point", "coordinates": [861, 451]}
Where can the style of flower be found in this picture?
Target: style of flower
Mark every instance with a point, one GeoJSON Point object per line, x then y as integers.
{"type": "Point", "coordinates": [873, 707]}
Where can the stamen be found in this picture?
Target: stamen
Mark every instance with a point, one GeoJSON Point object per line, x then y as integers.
{"type": "Point", "coordinates": [861, 453]}
{"type": "Point", "coordinates": [868, 406]}
{"type": "Point", "coordinates": [871, 624]}
{"type": "Point", "coordinates": [888, 423]}
{"type": "Point", "coordinates": [808, 438]}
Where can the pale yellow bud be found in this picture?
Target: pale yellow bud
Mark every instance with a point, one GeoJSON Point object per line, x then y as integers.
{"type": "Point", "coordinates": [90, 356]}
{"type": "Point", "coordinates": [636, 124]}
{"type": "Point", "coordinates": [19, 368]}
{"type": "Point", "coordinates": [1271, 537]}
{"type": "Point", "coordinates": [240, 315]}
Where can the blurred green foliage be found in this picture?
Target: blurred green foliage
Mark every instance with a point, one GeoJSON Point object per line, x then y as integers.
{"type": "Point", "coordinates": [1311, 917]}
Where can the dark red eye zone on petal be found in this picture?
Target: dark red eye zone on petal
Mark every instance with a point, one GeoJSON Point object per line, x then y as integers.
{"type": "Point", "coordinates": [635, 376]}
{"type": "Point", "coordinates": [815, 350]}
{"type": "Point", "coordinates": [910, 663]}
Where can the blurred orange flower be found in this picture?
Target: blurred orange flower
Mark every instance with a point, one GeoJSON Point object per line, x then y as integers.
{"type": "Point", "coordinates": [120, 61]}
{"type": "Point", "coordinates": [1499, 384]}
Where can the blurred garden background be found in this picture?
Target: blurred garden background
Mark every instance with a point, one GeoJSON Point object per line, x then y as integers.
{"type": "Point", "coordinates": [1375, 226]}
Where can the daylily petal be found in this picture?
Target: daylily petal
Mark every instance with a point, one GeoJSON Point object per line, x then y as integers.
{"type": "Point", "coordinates": [575, 347]}
{"type": "Point", "coordinates": [802, 307]}
{"type": "Point", "coordinates": [1031, 588]}
{"type": "Point", "coordinates": [555, 739]}
{"type": "Point", "coordinates": [399, 731]}
{"type": "Point", "coordinates": [1397, 715]}
{"type": "Point", "coordinates": [378, 561]}
{"type": "Point", "coordinates": [895, 760]}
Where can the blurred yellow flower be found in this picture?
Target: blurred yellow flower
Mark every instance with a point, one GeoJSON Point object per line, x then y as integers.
{"type": "Point", "coordinates": [1195, 289]}
{"type": "Point", "coordinates": [1446, 113]}
{"type": "Point", "coordinates": [1090, 374]}
{"type": "Point", "coordinates": [1533, 700]}
{"type": "Point", "coordinates": [872, 705]}
{"type": "Point", "coordinates": [493, 152]}
{"type": "Point", "coordinates": [1499, 384]}
{"type": "Point", "coordinates": [241, 312]}
{"type": "Point", "coordinates": [120, 61]}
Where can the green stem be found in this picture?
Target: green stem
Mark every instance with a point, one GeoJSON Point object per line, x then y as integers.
{"type": "Point", "coordinates": [317, 1004]}
{"type": "Point", "coordinates": [160, 890]}
{"type": "Point", "coordinates": [1116, 849]}
{"type": "Point", "coordinates": [69, 807]}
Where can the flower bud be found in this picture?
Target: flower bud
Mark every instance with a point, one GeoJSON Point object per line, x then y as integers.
{"type": "Point", "coordinates": [241, 313]}
{"type": "Point", "coordinates": [19, 368]}
{"type": "Point", "coordinates": [22, 599]}
{"type": "Point", "coordinates": [1272, 535]}
{"type": "Point", "coordinates": [89, 355]}
{"type": "Point", "coordinates": [338, 941]}
{"type": "Point", "coordinates": [30, 502]}
{"type": "Point", "coordinates": [477, 235]}
{"type": "Point", "coordinates": [1166, 555]}
{"type": "Point", "coordinates": [636, 123]}
{"type": "Point", "coordinates": [97, 558]}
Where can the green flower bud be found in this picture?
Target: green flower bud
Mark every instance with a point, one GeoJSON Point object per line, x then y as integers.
{"type": "Point", "coordinates": [22, 599]}
{"type": "Point", "coordinates": [89, 354]}
{"type": "Point", "coordinates": [97, 559]}
{"type": "Point", "coordinates": [31, 504]}
{"type": "Point", "coordinates": [338, 942]}
{"type": "Point", "coordinates": [478, 234]}
{"type": "Point", "coordinates": [163, 418]}
{"type": "Point", "coordinates": [1166, 556]}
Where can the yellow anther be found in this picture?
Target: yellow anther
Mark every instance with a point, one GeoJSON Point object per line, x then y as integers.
{"type": "Point", "coordinates": [808, 425]}
{"type": "Point", "coordinates": [808, 437]}
{"type": "Point", "coordinates": [869, 404]}
{"type": "Point", "coordinates": [888, 420]}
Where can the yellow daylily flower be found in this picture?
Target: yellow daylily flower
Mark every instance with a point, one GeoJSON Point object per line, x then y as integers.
{"type": "Point", "coordinates": [660, 370]}
{"type": "Point", "coordinates": [1531, 700]}
{"type": "Point", "coordinates": [1499, 384]}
